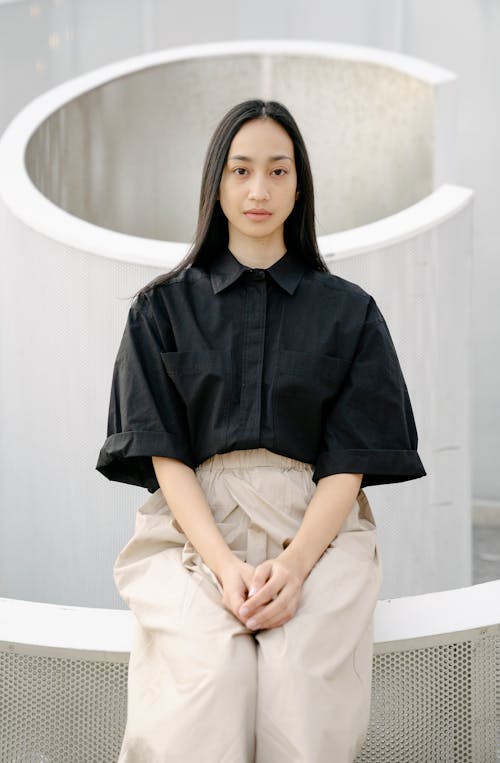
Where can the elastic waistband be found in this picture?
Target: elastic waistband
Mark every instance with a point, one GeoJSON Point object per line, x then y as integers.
{"type": "Point", "coordinates": [244, 459]}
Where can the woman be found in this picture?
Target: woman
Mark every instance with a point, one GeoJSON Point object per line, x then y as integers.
{"type": "Point", "coordinates": [255, 394]}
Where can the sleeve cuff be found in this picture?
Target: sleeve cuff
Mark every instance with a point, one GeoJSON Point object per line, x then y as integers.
{"type": "Point", "coordinates": [126, 456]}
{"type": "Point", "coordinates": [378, 467]}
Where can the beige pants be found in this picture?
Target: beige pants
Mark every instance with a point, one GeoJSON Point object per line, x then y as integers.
{"type": "Point", "coordinates": [203, 688]}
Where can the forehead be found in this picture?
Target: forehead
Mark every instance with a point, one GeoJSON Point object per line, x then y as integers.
{"type": "Point", "coordinates": [261, 137]}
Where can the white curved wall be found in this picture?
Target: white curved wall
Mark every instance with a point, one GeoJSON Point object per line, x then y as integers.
{"type": "Point", "coordinates": [59, 345]}
{"type": "Point", "coordinates": [419, 264]}
{"type": "Point", "coordinates": [47, 42]}
{"type": "Point", "coordinates": [368, 120]}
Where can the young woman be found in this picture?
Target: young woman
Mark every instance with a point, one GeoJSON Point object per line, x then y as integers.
{"type": "Point", "coordinates": [254, 394]}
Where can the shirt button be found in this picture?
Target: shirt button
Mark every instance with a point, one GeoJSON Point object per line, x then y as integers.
{"type": "Point", "coordinates": [259, 273]}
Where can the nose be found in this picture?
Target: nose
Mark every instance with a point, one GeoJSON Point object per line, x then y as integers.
{"type": "Point", "coordinates": [258, 189]}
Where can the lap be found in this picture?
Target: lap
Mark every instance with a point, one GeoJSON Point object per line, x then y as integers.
{"type": "Point", "coordinates": [166, 583]}
{"type": "Point", "coordinates": [338, 598]}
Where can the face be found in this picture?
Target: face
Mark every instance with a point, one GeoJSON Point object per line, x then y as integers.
{"type": "Point", "coordinates": [259, 175]}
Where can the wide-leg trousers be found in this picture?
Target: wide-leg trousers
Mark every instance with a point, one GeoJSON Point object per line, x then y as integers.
{"type": "Point", "coordinates": [202, 687]}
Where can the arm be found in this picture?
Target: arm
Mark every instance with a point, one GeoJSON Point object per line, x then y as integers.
{"type": "Point", "coordinates": [279, 581]}
{"type": "Point", "coordinates": [188, 503]}
{"type": "Point", "coordinates": [331, 502]}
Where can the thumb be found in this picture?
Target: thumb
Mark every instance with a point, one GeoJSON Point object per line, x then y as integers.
{"type": "Point", "coordinates": [260, 577]}
{"type": "Point", "coordinates": [236, 601]}
{"type": "Point", "coordinates": [234, 598]}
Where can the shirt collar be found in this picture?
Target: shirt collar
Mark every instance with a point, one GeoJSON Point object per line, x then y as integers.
{"type": "Point", "coordinates": [226, 269]}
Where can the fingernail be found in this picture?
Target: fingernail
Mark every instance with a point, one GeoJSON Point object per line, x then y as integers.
{"type": "Point", "coordinates": [252, 623]}
{"type": "Point", "coordinates": [252, 591]}
{"type": "Point", "coordinates": [244, 611]}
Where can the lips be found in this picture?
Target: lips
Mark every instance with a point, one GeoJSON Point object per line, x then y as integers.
{"type": "Point", "coordinates": [257, 214]}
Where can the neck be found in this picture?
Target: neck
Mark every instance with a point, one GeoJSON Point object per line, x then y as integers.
{"type": "Point", "coordinates": [257, 253]}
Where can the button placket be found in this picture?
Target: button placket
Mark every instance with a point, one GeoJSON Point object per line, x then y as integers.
{"type": "Point", "coordinates": [253, 355]}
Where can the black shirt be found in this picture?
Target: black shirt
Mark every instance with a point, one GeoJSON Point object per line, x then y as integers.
{"type": "Point", "coordinates": [287, 358]}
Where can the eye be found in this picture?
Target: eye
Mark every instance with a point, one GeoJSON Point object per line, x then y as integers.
{"type": "Point", "coordinates": [239, 171]}
{"type": "Point", "coordinates": [280, 169]}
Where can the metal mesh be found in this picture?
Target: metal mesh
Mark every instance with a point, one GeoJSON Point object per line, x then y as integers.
{"type": "Point", "coordinates": [437, 701]}
{"type": "Point", "coordinates": [57, 709]}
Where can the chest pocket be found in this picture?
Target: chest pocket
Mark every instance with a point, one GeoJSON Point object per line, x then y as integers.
{"type": "Point", "coordinates": [305, 382]}
{"type": "Point", "coordinates": [204, 380]}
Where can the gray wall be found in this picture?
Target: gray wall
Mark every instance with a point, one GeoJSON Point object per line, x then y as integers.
{"type": "Point", "coordinates": [45, 43]}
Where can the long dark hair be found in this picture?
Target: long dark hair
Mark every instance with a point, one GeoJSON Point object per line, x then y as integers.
{"type": "Point", "coordinates": [212, 230]}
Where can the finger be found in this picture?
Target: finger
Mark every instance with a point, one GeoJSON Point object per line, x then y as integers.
{"type": "Point", "coordinates": [269, 617]}
{"type": "Point", "coordinates": [236, 597]}
{"type": "Point", "coordinates": [262, 620]}
{"type": "Point", "coordinates": [247, 577]}
{"type": "Point", "coordinates": [260, 577]}
{"type": "Point", "coordinates": [265, 596]}
{"type": "Point", "coordinates": [236, 600]}
{"type": "Point", "coordinates": [267, 613]}
{"type": "Point", "coordinates": [275, 623]}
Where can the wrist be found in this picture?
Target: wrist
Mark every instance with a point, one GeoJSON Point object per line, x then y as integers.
{"type": "Point", "coordinates": [297, 560]}
{"type": "Point", "coordinates": [226, 560]}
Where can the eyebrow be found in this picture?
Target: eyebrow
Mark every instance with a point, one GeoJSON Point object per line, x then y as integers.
{"type": "Point", "coordinates": [276, 158]}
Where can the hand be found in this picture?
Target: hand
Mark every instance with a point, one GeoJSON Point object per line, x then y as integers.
{"type": "Point", "coordinates": [278, 586]}
{"type": "Point", "coordinates": [236, 578]}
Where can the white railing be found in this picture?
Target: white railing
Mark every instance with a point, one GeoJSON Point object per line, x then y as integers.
{"type": "Point", "coordinates": [435, 691]}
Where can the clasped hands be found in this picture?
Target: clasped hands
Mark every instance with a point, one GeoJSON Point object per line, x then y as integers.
{"type": "Point", "coordinates": [265, 596]}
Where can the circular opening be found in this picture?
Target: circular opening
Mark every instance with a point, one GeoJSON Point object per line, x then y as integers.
{"type": "Point", "coordinates": [127, 154]}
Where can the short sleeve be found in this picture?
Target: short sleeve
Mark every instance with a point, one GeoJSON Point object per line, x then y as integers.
{"type": "Point", "coordinates": [370, 428]}
{"type": "Point", "coordinates": [146, 414]}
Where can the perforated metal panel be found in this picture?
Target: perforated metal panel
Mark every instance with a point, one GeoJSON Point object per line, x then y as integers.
{"type": "Point", "coordinates": [435, 700]}
{"type": "Point", "coordinates": [58, 709]}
